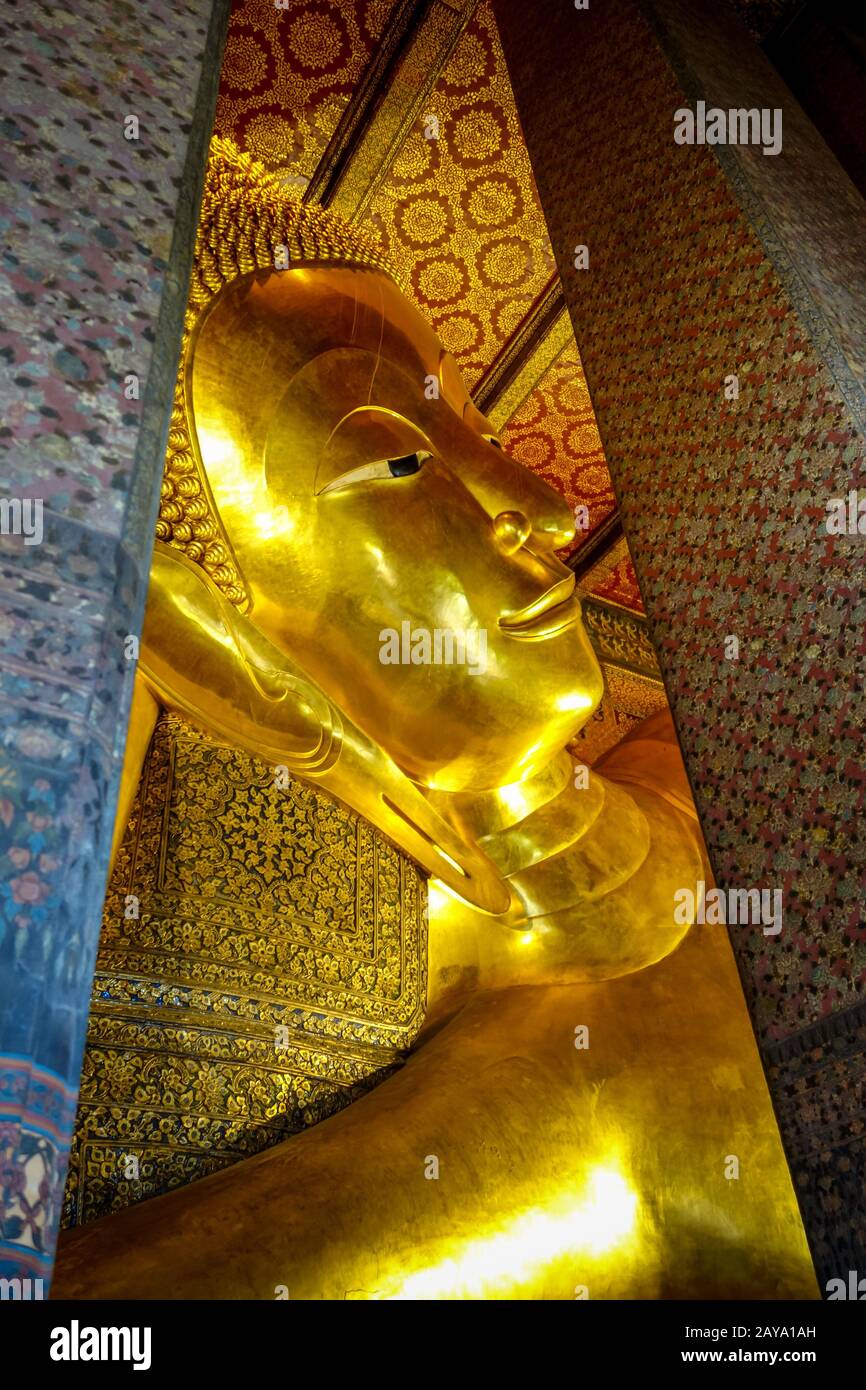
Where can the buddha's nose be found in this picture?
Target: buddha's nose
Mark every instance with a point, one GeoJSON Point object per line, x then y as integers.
{"type": "Point", "coordinates": [523, 506]}
{"type": "Point", "coordinates": [512, 530]}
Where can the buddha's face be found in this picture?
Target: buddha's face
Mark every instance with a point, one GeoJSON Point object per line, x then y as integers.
{"type": "Point", "coordinates": [389, 544]}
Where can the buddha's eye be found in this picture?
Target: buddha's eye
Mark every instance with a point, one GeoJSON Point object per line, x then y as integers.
{"type": "Point", "coordinates": [409, 463]}
{"type": "Point", "coordinates": [491, 439]}
{"type": "Point", "coordinates": [383, 468]}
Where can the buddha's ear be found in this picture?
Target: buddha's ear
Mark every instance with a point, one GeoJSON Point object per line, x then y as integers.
{"type": "Point", "coordinates": [203, 658]}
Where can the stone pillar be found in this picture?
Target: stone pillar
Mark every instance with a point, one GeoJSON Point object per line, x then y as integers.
{"type": "Point", "coordinates": [109, 114]}
{"type": "Point", "coordinates": [722, 326]}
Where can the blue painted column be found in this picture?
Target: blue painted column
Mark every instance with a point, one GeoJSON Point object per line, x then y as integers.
{"type": "Point", "coordinates": [110, 114]}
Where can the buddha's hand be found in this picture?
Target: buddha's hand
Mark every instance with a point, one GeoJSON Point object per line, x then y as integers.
{"type": "Point", "coordinates": [200, 655]}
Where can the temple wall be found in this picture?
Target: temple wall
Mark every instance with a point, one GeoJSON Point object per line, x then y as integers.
{"type": "Point", "coordinates": [93, 287]}
{"type": "Point", "coordinates": [705, 262]}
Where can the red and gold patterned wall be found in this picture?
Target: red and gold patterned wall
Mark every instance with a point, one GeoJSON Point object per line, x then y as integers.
{"type": "Point", "coordinates": [288, 75]}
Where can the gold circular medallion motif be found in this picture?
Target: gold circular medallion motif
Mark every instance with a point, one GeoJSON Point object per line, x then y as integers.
{"type": "Point", "coordinates": [470, 64]}
{"type": "Point", "coordinates": [424, 221]}
{"type": "Point", "coordinates": [492, 203]}
{"type": "Point", "coordinates": [441, 281]}
{"type": "Point", "coordinates": [507, 263]}
{"type": "Point", "coordinates": [245, 64]}
{"type": "Point", "coordinates": [459, 333]}
{"type": "Point", "coordinates": [477, 136]}
{"type": "Point", "coordinates": [315, 41]}
{"type": "Point", "coordinates": [415, 158]}
{"type": "Point", "coordinates": [271, 138]}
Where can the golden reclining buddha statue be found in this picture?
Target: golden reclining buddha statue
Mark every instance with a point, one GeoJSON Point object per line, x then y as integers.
{"type": "Point", "coordinates": [370, 930]}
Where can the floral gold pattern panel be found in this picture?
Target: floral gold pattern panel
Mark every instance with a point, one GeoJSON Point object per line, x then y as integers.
{"type": "Point", "coordinates": [620, 637]}
{"type": "Point", "coordinates": [620, 586]}
{"type": "Point", "coordinates": [612, 578]}
{"type": "Point", "coordinates": [288, 74]}
{"type": "Point", "coordinates": [633, 688]}
{"type": "Point", "coordinates": [460, 215]}
{"type": "Point", "coordinates": [554, 433]}
{"type": "Point", "coordinates": [275, 970]}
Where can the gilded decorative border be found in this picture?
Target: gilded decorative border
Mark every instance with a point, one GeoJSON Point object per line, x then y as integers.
{"type": "Point", "coordinates": [621, 638]}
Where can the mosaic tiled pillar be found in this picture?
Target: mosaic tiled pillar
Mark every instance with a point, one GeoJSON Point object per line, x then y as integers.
{"type": "Point", "coordinates": [707, 264]}
{"type": "Point", "coordinates": [110, 109]}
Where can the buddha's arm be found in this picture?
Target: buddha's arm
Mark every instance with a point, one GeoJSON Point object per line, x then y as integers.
{"type": "Point", "coordinates": [191, 658]}
{"type": "Point", "coordinates": [202, 657]}
{"type": "Point", "coordinates": [558, 1167]}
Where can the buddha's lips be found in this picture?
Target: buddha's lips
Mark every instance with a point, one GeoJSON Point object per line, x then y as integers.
{"type": "Point", "coordinates": [549, 613]}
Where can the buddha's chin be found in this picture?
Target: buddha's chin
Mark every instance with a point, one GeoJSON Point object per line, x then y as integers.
{"type": "Point", "coordinates": [499, 740]}
{"type": "Point", "coordinates": [502, 760]}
